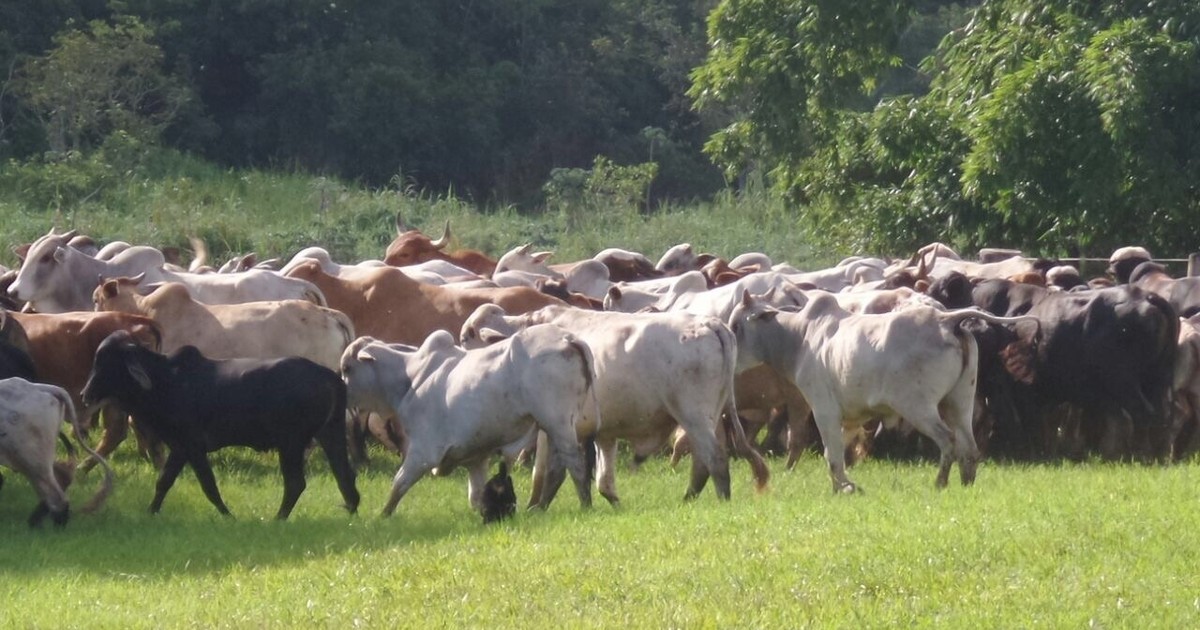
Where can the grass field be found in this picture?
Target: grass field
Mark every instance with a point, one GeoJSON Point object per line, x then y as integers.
{"type": "Point", "coordinates": [1075, 545]}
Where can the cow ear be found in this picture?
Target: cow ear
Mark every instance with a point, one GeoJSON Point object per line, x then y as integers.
{"type": "Point", "coordinates": [21, 250]}
{"type": "Point", "coordinates": [747, 299]}
{"type": "Point", "coordinates": [139, 374]}
{"type": "Point", "coordinates": [489, 336]}
{"type": "Point", "coordinates": [766, 315]}
{"type": "Point", "coordinates": [614, 293]}
{"type": "Point", "coordinates": [364, 356]}
{"type": "Point", "coordinates": [109, 289]}
{"type": "Point", "coordinates": [541, 257]}
{"type": "Point", "coordinates": [60, 254]}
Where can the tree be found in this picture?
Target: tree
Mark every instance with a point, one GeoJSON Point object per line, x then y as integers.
{"type": "Point", "coordinates": [100, 80]}
{"type": "Point", "coordinates": [1060, 126]}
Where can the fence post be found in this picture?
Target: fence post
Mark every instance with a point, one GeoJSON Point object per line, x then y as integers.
{"type": "Point", "coordinates": [1193, 264]}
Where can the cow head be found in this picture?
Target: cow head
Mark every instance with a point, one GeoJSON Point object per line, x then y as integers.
{"type": "Point", "coordinates": [753, 324]}
{"type": "Point", "coordinates": [677, 259]}
{"type": "Point", "coordinates": [118, 294]}
{"type": "Point", "coordinates": [123, 370]}
{"type": "Point", "coordinates": [375, 374]}
{"type": "Point", "coordinates": [1123, 261]}
{"type": "Point", "coordinates": [523, 259]}
{"type": "Point", "coordinates": [43, 267]}
{"type": "Point", "coordinates": [483, 325]}
{"type": "Point", "coordinates": [411, 247]}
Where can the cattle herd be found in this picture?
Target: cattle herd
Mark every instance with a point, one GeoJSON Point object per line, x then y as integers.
{"type": "Point", "coordinates": [451, 358]}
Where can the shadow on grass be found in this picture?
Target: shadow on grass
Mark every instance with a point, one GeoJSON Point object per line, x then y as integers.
{"type": "Point", "coordinates": [190, 537]}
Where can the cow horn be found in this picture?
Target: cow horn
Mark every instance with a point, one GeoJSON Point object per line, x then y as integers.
{"type": "Point", "coordinates": [400, 227]}
{"type": "Point", "coordinates": [68, 235]}
{"type": "Point", "coordinates": [445, 240]}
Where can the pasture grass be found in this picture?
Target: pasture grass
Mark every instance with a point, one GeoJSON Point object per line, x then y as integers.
{"type": "Point", "coordinates": [1069, 545]}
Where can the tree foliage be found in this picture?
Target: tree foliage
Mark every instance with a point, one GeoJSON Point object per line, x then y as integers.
{"type": "Point", "coordinates": [98, 81]}
{"type": "Point", "coordinates": [1060, 126]}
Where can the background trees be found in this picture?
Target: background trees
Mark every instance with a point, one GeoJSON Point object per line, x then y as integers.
{"type": "Point", "coordinates": [1060, 126]}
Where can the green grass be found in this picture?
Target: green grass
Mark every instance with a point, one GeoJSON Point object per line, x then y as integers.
{"type": "Point", "coordinates": [1057, 545]}
{"type": "Point", "coordinates": [276, 214]}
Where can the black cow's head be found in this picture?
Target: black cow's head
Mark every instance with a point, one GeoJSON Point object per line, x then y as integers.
{"type": "Point", "coordinates": [121, 370]}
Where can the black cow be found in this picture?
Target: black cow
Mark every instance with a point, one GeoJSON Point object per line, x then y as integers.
{"type": "Point", "coordinates": [1108, 353]}
{"type": "Point", "coordinates": [198, 405]}
{"type": "Point", "coordinates": [14, 350]}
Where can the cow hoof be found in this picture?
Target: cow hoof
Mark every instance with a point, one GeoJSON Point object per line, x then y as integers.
{"type": "Point", "coordinates": [847, 488]}
{"type": "Point", "coordinates": [60, 518]}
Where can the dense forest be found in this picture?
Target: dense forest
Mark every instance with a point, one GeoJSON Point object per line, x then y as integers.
{"type": "Point", "coordinates": [1062, 125]}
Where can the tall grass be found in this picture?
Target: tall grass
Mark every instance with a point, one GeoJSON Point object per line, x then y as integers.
{"type": "Point", "coordinates": [1073, 545]}
{"type": "Point", "coordinates": [169, 197]}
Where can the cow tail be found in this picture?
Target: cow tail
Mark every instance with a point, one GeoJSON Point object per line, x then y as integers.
{"type": "Point", "coordinates": [589, 378]}
{"type": "Point", "coordinates": [741, 444]}
{"type": "Point", "coordinates": [106, 486]}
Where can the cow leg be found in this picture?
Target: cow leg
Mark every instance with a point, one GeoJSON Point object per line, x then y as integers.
{"type": "Point", "coordinates": [564, 455]}
{"type": "Point", "coordinates": [410, 472]}
{"type": "Point", "coordinates": [541, 464]}
{"type": "Point", "coordinates": [477, 475]}
{"type": "Point", "coordinates": [208, 483]}
{"type": "Point", "coordinates": [800, 429]}
{"type": "Point", "coordinates": [930, 424]}
{"type": "Point", "coordinates": [708, 458]}
{"type": "Point", "coordinates": [53, 500]}
{"type": "Point", "coordinates": [291, 465]}
{"type": "Point", "coordinates": [356, 437]}
{"type": "Point", "coordinates": [681, 447]}
{"type": "Point", "coordinates": [166, 478]}
{"type": "Point", "coordinates": [332, 439]}
{"type": "Point", "coordinates": [606, 476]}
{"type": "Point", "coordinates": [115, 427]}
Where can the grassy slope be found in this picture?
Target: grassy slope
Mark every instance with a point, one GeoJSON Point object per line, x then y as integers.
{"type": "Point", "coordinates": [1028, 545]}
{"type": "Point", "coordinates": [277, 214]}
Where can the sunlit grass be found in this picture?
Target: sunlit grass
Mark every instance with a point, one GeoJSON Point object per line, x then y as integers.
{"type": "Point", "coordinates": [1050, 545]}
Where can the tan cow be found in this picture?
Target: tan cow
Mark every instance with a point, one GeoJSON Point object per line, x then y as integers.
{"type": "Point", "coordinates": [255, 330]}
{"type": "Point", "coordinates": [386, 304]}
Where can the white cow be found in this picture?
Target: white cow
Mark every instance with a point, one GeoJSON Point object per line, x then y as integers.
{"type": "Point", "coordinates": [915, 364]}
{"type": "Point", "coordinates": [654, 371]}
{"type": "Point", "coordinates": [57, 278]}
{"type": "Point", "coordinates": [31, 415]}
{"type": "Point", "coordinates": [460, 407]}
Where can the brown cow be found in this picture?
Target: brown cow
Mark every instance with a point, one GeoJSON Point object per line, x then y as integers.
{"type": "Point", "coordinates": [411, 247]}
{"type": "Point", "coordinates": [62, 346]}
{"type": "Point", "coordinates": [385, 304]}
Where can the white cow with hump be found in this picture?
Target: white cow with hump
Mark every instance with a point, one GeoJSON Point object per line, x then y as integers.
{"type": "Point", "coordinates": [654, 371]}
{"type": "Point", "coordinates": [916, 364]}
{"type": "Point", "coordinates": [460, 407]}
{"type": "Point", "coordinates": [57, 278]}
{"type": "Point", "coordinates": [31, 416]}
